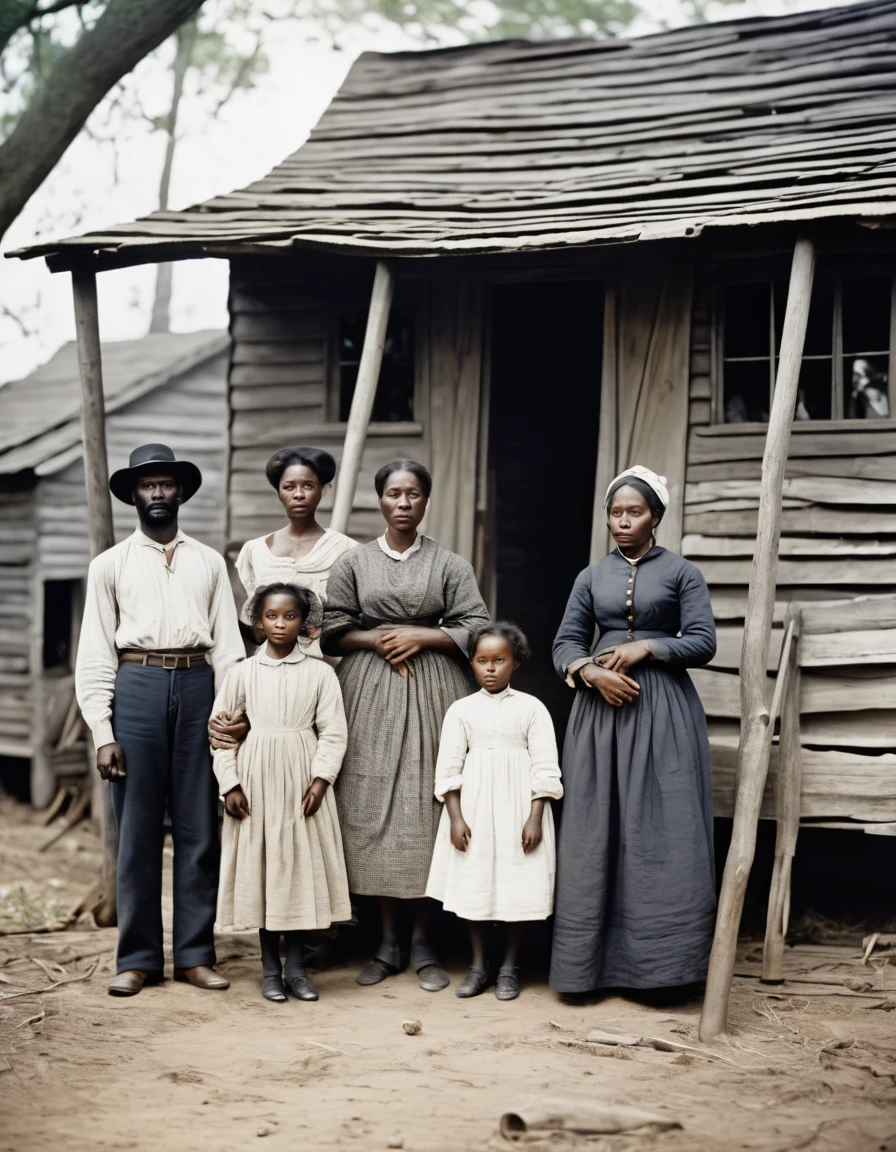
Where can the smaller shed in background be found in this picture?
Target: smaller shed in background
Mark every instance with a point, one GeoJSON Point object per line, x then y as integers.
{"type": "Point", "coordinates": [165, 387]}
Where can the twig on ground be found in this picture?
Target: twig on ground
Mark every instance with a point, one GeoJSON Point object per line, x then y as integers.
{"type": "Point", "coordinates": [36, 1019]}
{"type": "Point", "coordinates": [326, 1047]}
{"type": "Point", "coordinates": [50, 968]}
{"type": "Point", "coordinates": [869, 946]}
{"type": "Point", "coordinates": [53, 987]}
{"type": "Point", "coordinates": [659, 1043]}
{"type": "Point", "coordinates": [807, 1140]}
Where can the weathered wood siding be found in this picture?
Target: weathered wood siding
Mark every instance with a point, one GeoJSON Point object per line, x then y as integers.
{"type": "Point", "coordinates": [18, 534]}
{"type": "Point", "coordinates": [284, 317]}
{"type": "Point", "coordinates": [838, 542]}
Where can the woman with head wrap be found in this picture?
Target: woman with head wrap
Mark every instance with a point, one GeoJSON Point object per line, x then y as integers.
{"type": "Point", "coordinates": [635, 898]}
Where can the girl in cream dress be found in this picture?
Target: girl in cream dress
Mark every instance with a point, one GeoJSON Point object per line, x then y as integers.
{"type": "Point", "coordinates": [282, 865]}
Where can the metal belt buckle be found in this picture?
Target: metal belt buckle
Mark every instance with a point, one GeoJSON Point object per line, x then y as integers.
{"type": "Point", "coordinates": [170, 667]}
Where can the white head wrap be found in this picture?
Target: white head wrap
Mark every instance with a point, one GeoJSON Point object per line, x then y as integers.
{"type": "Point", "coordinates": [651, 479]}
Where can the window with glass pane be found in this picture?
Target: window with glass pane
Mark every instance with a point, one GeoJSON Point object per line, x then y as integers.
{"type": "Point", "coordinates": [394, 400]}
{"type": "Point", "coordinates": [846, 357]}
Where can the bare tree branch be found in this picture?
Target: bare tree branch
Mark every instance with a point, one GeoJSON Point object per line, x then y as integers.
{"type": "Point", "coordinates": [18, 14]}
{"type": "Point", "coordinates": [242, 73]}
{"type": "Point", "coordinates": [126, 32]}
{"type": "Point", "coordinates": [17, 320]}
{"type": "Point", "coordinates": [60, 6]}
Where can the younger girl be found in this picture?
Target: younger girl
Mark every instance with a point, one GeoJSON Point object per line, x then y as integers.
{"type": "Point", "coordinates": [282, 869]}
{"type": "Point", "coordinates": [496, 770]}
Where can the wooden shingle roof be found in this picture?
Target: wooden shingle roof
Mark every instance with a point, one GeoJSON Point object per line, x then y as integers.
{"type": "Point", "coordinates": [40, 415]}
{"type": "Point", "coordinates": [513, 146]}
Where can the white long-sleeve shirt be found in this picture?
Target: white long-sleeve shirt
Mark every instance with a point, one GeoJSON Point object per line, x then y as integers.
{"type": "Point", "coordinates": [136, 600]}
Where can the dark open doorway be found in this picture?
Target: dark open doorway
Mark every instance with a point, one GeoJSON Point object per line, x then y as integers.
{"type": "Point", "coordinates": [543, 422]}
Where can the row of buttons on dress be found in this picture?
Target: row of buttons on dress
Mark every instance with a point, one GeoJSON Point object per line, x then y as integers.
{"type": "Point", "coordinates": [629, 604]}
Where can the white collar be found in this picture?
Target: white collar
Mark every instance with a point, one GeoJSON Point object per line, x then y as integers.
{"type": "Point", "coordinates": [502, 695]}
{"type": "Point", "coordinates": [400, 556]}
{"type": "Point", "coordinates": [293, 658]}
{"type": "Point", "coordinates": [638, 559]}
{"type": "Point", "coordinates": [141, 538]}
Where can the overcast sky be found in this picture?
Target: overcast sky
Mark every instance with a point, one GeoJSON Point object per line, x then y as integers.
{"type": "Point", "coordinates": [98, 183]}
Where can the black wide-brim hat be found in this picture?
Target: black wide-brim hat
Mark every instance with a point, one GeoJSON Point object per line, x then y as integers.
{"type": "Point", "coordinates": [150, 458]}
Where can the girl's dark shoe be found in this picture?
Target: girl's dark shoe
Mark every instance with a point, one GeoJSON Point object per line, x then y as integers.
{"type": "Point", "coordinates": [302, 988]}
{"type": "Point", "coordinates": [273, 988]}
{"type": "Point", "coordinates": [474, 984]}
{"type": "Point", "coordinates": [431, 976]}
{"type": "Point", "coordinates": [507, 986]}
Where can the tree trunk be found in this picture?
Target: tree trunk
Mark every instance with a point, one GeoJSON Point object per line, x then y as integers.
{"type": "Point", "coordinates": [127, 31]}
{"type": "Point", "coordinates": [756, 724]}
{"type": "Point", "coordinates": [186, 41]}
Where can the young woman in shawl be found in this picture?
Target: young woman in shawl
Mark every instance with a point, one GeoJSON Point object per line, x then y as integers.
{"type": "Point", "coordinates": [400, 612]}
{"type": "Point", "coordinates": [635, 898]}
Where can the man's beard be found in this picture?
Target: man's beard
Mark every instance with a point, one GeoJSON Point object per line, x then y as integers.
{"type": "Point", "coordinates": [157, 514]}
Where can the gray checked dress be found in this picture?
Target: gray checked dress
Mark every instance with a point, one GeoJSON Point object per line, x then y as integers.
{"type": "Point", "coordinates": [387, 811]}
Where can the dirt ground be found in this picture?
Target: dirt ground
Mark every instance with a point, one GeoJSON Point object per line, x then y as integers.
{"type": "Point", "coordinates": [809, 1065]}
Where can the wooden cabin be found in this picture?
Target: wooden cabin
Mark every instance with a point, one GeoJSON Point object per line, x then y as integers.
{"type": "Point", "coordinates": [164, 387]}
{"type": "Point", "coordinates": [590, 243]}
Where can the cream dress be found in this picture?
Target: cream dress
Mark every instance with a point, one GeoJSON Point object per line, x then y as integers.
{"type": "Point", "coordinates": [281, 870]}
{"type": "Point", "coordinates": [257, 565]}
{"type": "Point", "coordinates": [499, 749]}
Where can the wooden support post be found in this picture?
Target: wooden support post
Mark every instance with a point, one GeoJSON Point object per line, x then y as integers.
{"type": "Point", "coordinates": [365, 391]}
{"type": "Point", "coordinates": [788, 786]}
{"type": "Point", "coordinates": [756, 730]}
{"type": "Point", "coordinates": [42, 779]}
{"type": "Point", "coordinates": [99, 521]}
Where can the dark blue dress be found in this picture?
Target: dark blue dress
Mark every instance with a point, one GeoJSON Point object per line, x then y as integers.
{"type": "Point", "coordinates": [635, 901]}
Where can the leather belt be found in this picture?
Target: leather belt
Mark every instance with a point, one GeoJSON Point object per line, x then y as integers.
{"type": "Point", "coordinates": [170, 661]}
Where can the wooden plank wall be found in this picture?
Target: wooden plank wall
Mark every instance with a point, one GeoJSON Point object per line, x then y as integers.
{"type": "Point", "coordinates": [838, 542]}
{"type": "Point", "coordinates": [18, 536]}
{"type": "Point", "coordinates": [283, 319]}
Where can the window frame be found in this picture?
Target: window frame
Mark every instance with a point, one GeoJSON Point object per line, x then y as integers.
{"type": "Point", "coordinates": [416, 311]}
{"type": "Point", "coordinates": [772, 271]}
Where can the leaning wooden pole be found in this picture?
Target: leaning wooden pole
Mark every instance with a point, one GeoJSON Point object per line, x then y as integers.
{"type": "Point", "coordinates": [365, 392]}
{"type": "Point", "coordinates": [99, 524]}
{"type": "Point", "coordinates": [756, 731]}
{"type": "Point", "coordinates": [788, 786]}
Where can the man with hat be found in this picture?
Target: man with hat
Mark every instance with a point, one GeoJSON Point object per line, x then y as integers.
{"type": "Point", "coordinates": [160, 627]}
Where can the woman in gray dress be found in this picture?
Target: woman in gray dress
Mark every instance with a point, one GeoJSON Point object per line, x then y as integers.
{"type": "Point", "coordinates": [400, 611]}
{"type": "Point", "coordinates": [635, 890]}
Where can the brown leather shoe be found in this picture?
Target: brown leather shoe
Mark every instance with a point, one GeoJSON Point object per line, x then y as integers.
{"type": "Point", "coordinates": [127, 983]}
{"type": "Point", "coordinates": [201, 977]}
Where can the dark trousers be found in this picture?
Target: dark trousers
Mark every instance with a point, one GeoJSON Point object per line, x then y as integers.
{"type": "Point", "coordinates": [160, 719]}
